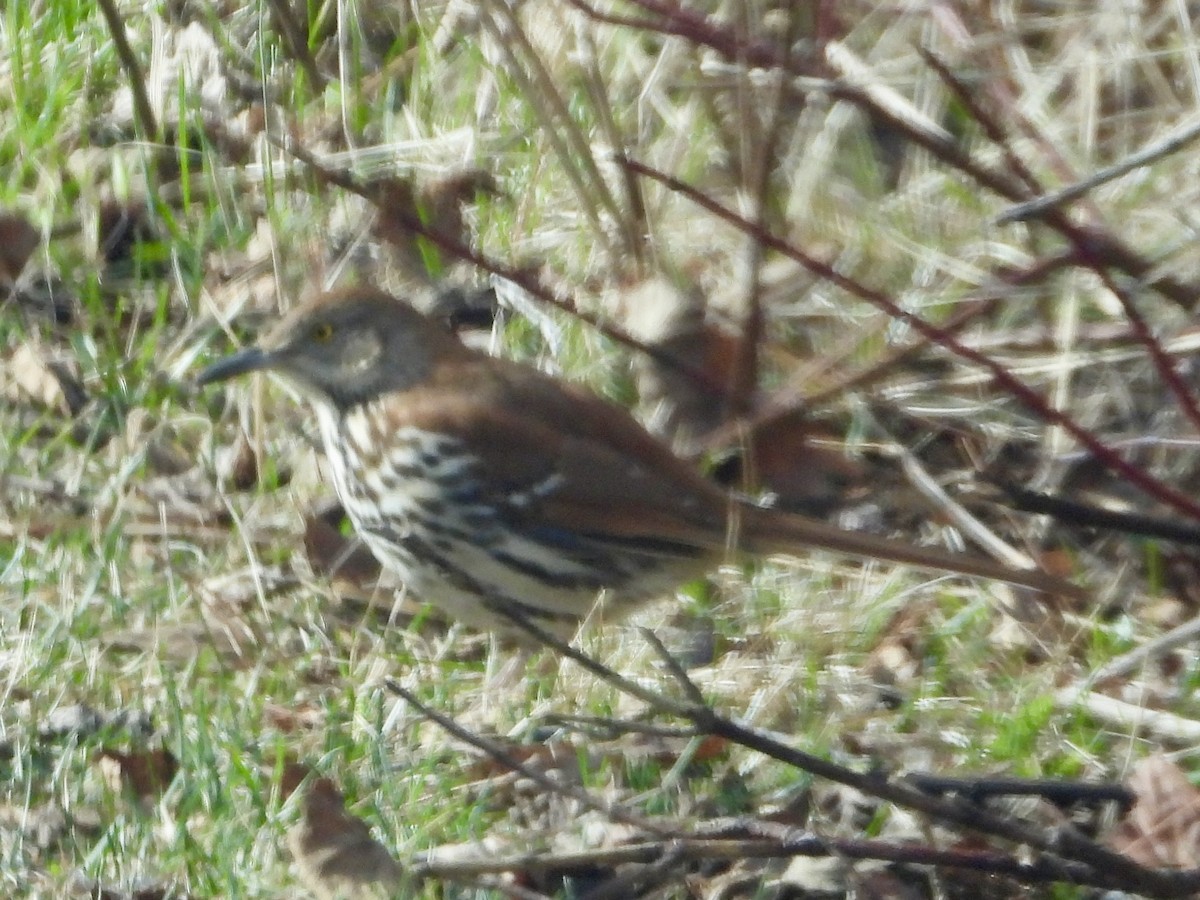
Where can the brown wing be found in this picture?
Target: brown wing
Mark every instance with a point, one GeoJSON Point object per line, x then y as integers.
{"type": "Point", "coordinates": [558, 457]}
{"type": "Point", "coordinates": [565, 458]}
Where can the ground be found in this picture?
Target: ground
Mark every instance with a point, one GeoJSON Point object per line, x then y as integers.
{"type": "Point", "coordinates": [786, 236]}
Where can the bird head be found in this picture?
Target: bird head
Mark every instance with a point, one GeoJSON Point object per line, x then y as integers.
{"type": "Point", "coordinates": [343, 348]}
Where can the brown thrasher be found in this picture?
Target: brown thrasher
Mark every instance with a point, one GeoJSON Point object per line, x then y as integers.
{"type": "Point", "coordinates": [503, 494]}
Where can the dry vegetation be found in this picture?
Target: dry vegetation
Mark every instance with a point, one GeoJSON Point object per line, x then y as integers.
{"type": "Point", "coordinates": [792, 236]}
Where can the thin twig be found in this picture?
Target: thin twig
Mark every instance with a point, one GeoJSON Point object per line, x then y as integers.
{"type": "Point", "coordinates": [1129, 717]}
{"type": "Point", "coordinates": [656, 701]}
{"type": "Point", "coordinates": [637, 880]}
{"type": "Point", "coordinates": [763, 846]}
{"type": "Point", "coordinates": [613, 811]}
{"type": "Point", "coordinates": [1003, 377]}
{"type": "Point", "coordinates": [574, 153]}
{"type": "Point", "coordinates": [768, 843]}
{"type": "Point", "coordinates": [757, 166]}
{"type": "Point", "coordinates": [792, 398]}
{"type": "Point", "coordinates": [958, 515]}
{"type": "Point", "coordinates": [1061, 842]}
{"type": "Point", "coordinates": [1143, 653]}
{"type": "Point", "coordinates": [1089, 515]}
{"type": "Point", "coordinates": [635, 224]}
{"type": "Point", "coordinates": [1092, 242]}
{"type": "Point", "coordinates": [690, 690]}
{"type": "Point", "coordinates": [295, 38]}
{"type": "Point", "coordinates": [1054, 790]}
{"type": "Point", "coordinates": [1035, 209]}
{"type": "Point", "coordinates": [1163, 364]}
{"type": "Point", "coordinates": [510, 890]}
{"type": "Point", "coordinates": [143, 111]}
{"type": "Point", "coordinates": [1062, 845]}
{"type": "Point", "coordinates": [991, 127]}
{"type": "Point", "coordinates": [1064, 841]}
{"type": "Point", "coordinates": [709, 31]}
{"type": "Point", "coordinates": [608, 728]}
{"type": "Point", "coordinates": [526, 279]}
{"type": "Point", "coordinates": [1084, 250]}
{"type": "Point", "coordinates": [708, 721]}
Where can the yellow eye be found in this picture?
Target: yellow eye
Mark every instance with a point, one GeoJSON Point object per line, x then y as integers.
{"type": "Point", "coordinates": [323, 331]}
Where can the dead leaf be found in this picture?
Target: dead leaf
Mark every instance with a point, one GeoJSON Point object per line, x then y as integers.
{"type": "Point", "coordinates": [898, 659]}
{"type": "Point", "coordinates": [237, 466]}
{"type": "Point", "coordinates": [305, 717]}
{"type": "Point", "coordinates": [684, 384]}
{"type": "Point", "coordinates": [882, 884]}
{"type": "Point", "coordinates": [294, 773]}
{"type": "Point", "coordinates": [798, 462]}
{"type": "Point", "coordinates": [817, 875]}
{"type": "Point", "coordinates": [489, 847]}
{"type": "Point", "coordinates": [145, 774]}
{"type": "Point", "coordinates": [31, 374]}
{"type": "Point", "coordinates": [165, 452]}
{"type": "Point", "coordinates": [333, 555]}
{"type": "Point", "coordinates": [18, 240]}
{"type": "Point", "coordinates": [241, 282]}
{"type": "Point", "coordinates": [228, 629]}
{"type": "Point", "coordinates": [335, 851]}
{"type": "Point", "coordinates": [179, 643]}
{"type": "Point", "coordinates": [443, 199]}
{"type": "Point", "coordinates": [45, 296]}
{"type": "Point", "coordinates": [1162, 828]}
{"type": "Point", "coordinates": [187, 62]}
{"type": "Point", "coordinates": [242, 589]}
{"type": "Point", "coordinates": [562, 758]}
{"type": "Point", "coordinates": [438, 205]}
{"type": "Point", "coordinates": [124, 228]}
{"type": "Point", "coordinates": [232, 633]}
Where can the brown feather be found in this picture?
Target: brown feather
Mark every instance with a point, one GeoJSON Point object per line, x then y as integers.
{"type": "Point", "coordinates": [619, 481]}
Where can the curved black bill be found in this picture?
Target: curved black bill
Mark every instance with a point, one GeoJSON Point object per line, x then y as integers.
{"type": "Point", "coordinates": [252, 359]}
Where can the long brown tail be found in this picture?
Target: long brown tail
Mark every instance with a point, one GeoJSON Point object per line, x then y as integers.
{"type": "Point", "coordinates": [767, 531]}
